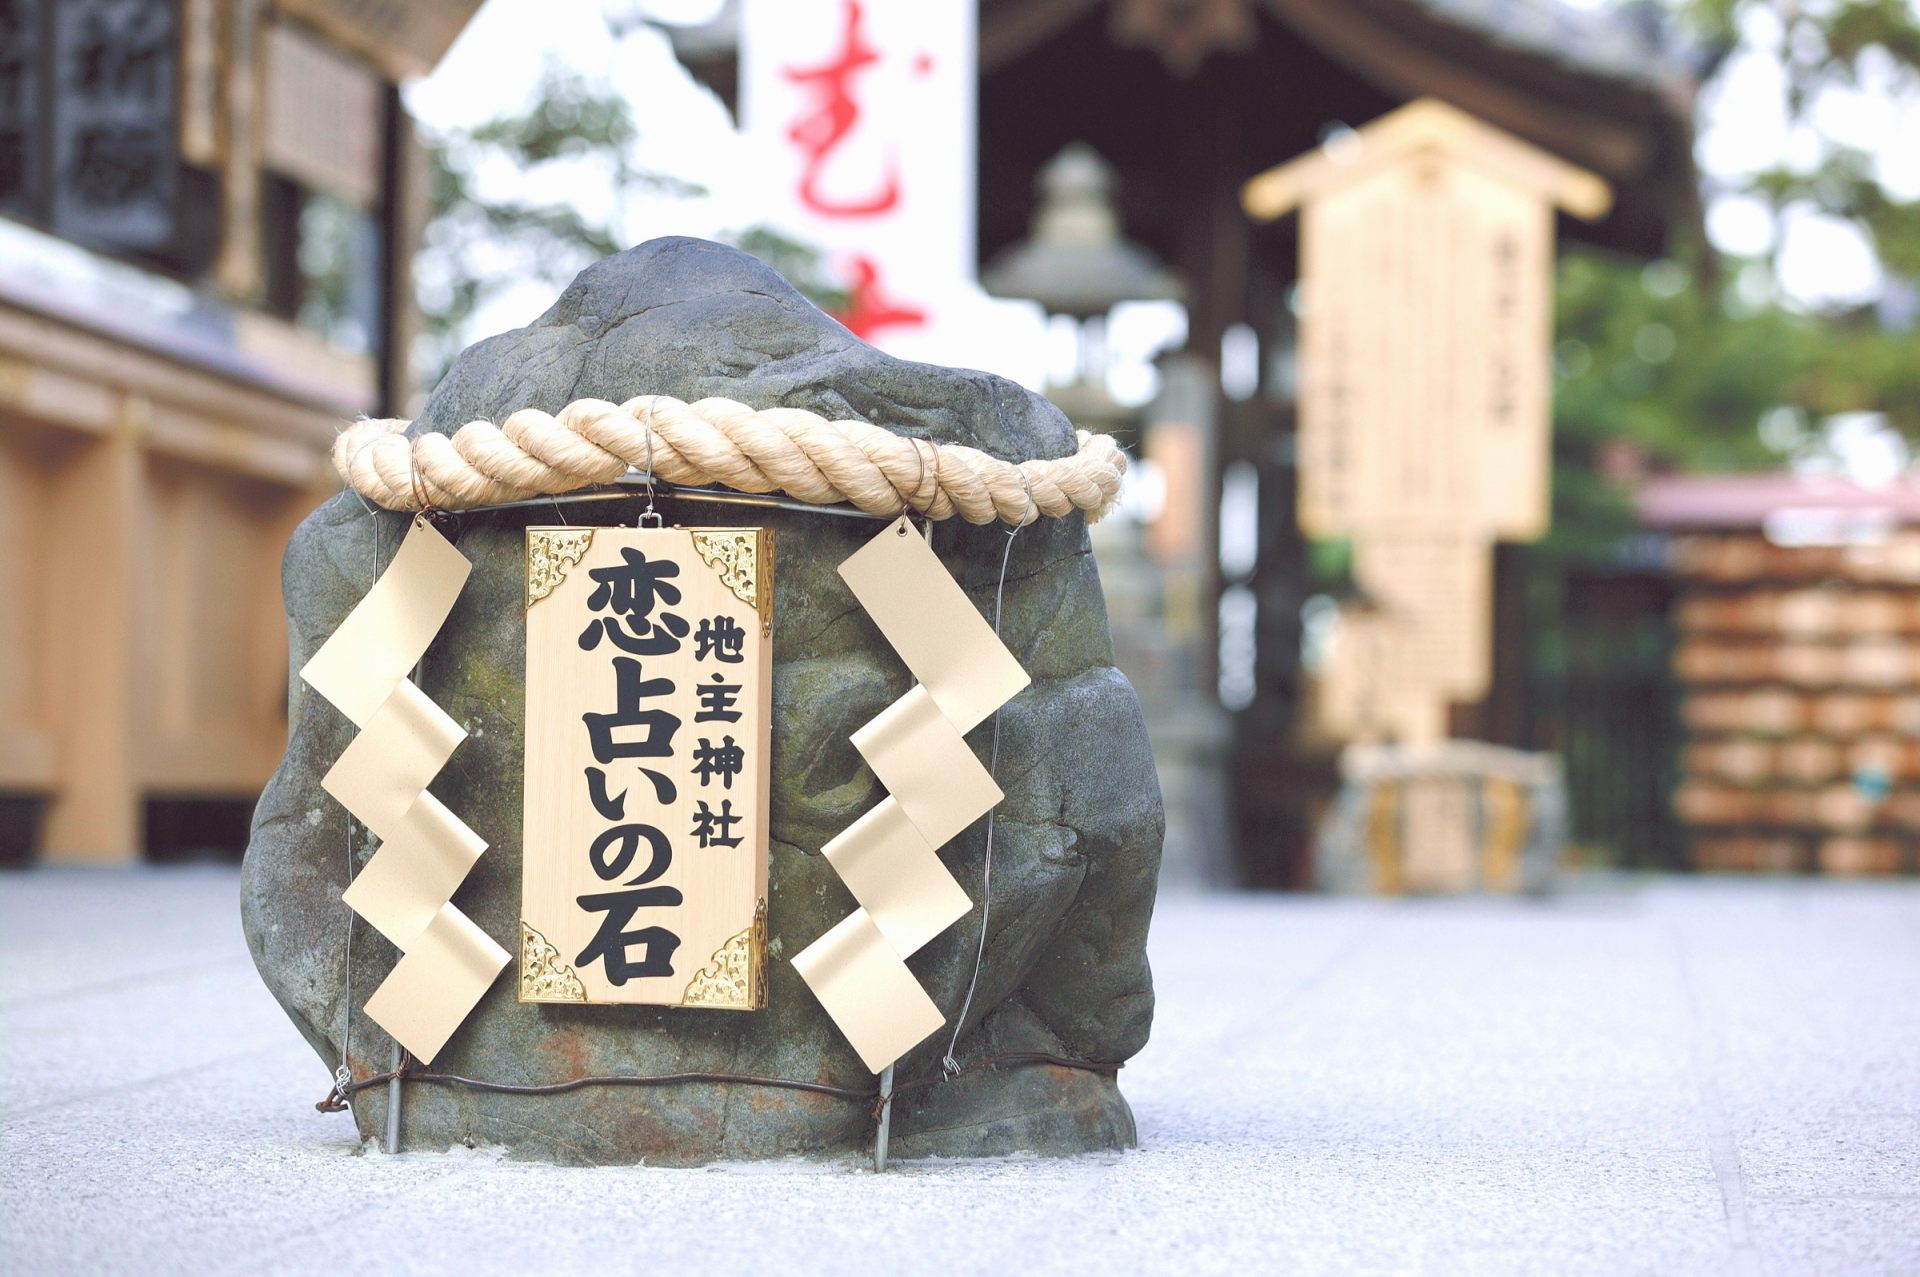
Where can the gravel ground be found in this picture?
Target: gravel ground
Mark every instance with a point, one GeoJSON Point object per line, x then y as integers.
{"type": "Point", "coordinates": [1670, 1076]}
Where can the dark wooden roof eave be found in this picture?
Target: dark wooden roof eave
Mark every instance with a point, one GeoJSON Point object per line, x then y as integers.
{"type": "Point", "coordinates": [1634, 131]}
{"type": "Point", "coordinates": [1637, 134]}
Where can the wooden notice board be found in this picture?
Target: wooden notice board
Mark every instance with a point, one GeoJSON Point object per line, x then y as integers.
{"type": "Point", "coordinates": [648, 719]}
{"type": "Point", "coordinates": [1424, 355]}
{"type": "Point", "coordinates": [1425, 336]}
{"type": "Point", "coordinates": [1423, 640]}
{"type": "Point", "coordinates": [401, 37]}
{"type": "Point", "coordinates": [323, 116]}
{"type": "Point", "coordinates": [1436, 590]}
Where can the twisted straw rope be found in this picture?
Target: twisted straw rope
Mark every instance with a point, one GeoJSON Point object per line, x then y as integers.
{"type": "Point", "coordinates": [719, 441]}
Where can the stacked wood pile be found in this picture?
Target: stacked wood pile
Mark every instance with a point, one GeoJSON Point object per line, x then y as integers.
{"type": "Point", "coordinates": [1801, 666]}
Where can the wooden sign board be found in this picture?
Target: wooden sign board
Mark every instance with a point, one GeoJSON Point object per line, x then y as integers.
{"type": "Point", "coordinates": [1424, 355]}
{"type": "Point", "coordinates": [1436, 590]}
{"type": "Point", "coordinates": [1365, 694]}
{"type": "Point", "coordinates": [1427, 265]}
{"type": "Point", "coordinates": [322, 124]}
{"type": "Point", "coordinates": [113, 112]}
{"type": "Point", "coordinates": [1425, 642]}
{"type": "Point", "coordinates": [1356, 696]}
{"type": "Point", "coordinates": [401, 37]}
{"type": "Point", "coordinates": [648, 730]}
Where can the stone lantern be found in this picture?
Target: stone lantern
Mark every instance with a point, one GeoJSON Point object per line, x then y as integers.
{"type": "Point", "coordinates": [1077, 264]}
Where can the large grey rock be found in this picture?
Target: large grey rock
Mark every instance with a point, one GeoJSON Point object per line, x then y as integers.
{"type": "Point", "coordinates": [1078, 838]}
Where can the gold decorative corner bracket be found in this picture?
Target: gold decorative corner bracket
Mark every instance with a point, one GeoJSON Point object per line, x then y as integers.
{"type": "Point", "coordinates": [735, 554]}
{"type": "Point", "coordinates": [763, 602]}
{"type": "Point", "coordinates": [543, 977]}
{"type": "Point", "coordinates": [736, 978]}
{"type": "Point", "coordinates": [549, 552]}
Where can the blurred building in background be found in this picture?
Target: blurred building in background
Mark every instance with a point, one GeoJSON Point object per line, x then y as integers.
{"type": "Point", "coordinates": [1187, 101]}
{"type": "Point", "coordinates": [209, 209]}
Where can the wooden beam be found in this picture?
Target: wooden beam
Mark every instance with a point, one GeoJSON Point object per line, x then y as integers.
{"type": "Point", "coordinates": [74, 379]}
{"type": "Point", "coordinates": [1010, 31]}
{"type": "Point", "coordinates": [89, 629]}
{"type": "Point", "coordinates": [407, 210]}
{"type": "Point", "coordinates": [1395, 58]}
{"type": "Point", "coordinates": [238, 270]}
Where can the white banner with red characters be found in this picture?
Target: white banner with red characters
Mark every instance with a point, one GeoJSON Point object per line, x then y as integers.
{"type": "Point", "coordinates": [860, 114]}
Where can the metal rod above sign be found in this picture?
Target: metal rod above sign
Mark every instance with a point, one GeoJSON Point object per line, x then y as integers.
{"type": "Point", "coordinates": [633, 485]}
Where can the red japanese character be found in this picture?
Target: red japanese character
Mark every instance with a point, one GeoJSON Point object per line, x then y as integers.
{"type": "Point", "coordinates": [867, 310]}
{"type": "Point", "coordinates": [834, 116]}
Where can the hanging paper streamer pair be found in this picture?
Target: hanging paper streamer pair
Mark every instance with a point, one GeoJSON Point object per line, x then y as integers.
{"type": "Point", "coordinates": [936, 788]}
{"type": "Point", "coordinates": [381, 779]}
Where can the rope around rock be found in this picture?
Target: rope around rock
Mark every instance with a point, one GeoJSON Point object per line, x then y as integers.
{"type": "Point", "coordinates": [718, 441]}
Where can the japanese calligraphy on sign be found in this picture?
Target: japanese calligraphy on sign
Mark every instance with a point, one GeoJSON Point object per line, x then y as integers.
{"type": "Point", "coordinates": [649, 664]}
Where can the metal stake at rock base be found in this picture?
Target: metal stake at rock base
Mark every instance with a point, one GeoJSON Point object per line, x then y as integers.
{"type": "Point", "coordinates": [886, 1119]}
{"type": "Point", "coordinates": [393, 1104]}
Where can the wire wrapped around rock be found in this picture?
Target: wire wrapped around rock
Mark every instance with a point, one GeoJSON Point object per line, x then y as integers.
{"type": "Point", "coordinates": [592, 442]}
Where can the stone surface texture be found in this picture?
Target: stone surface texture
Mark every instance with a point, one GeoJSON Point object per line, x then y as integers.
{"type": "Point", "coordinates": [1078, 838]}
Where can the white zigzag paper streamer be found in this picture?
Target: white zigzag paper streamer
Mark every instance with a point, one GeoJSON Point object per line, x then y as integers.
{"type": "Point", "coordinates": [936, 787]}
{"type": "Point", "coordinates": [381, 778]}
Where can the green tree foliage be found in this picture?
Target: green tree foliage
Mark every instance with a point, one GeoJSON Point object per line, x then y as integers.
{"type": "Point", "coordinates": [479, 243]}
{"type": "Point", "coordinates": [1696, 363]}
{"type": "Point", "coordinates": [1867, 360]}
{"type": "Point", "coordinates": [567, 160]}
{"type": "Point", "coordinates": [1656, 369]}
